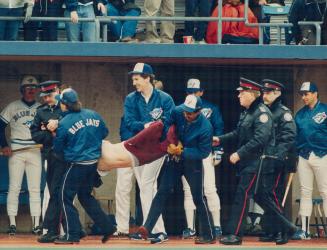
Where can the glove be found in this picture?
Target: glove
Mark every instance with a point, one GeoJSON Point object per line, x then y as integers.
{"type": "Point", "coordinates": [216, 156]}
{"type": "Point", "coordinates": [28, 13]}
{"type": "Point", "coordinates": [175, 150]}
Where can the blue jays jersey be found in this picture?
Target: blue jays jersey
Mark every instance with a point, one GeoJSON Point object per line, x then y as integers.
{"type": "Point", "coordinates": [79, 136]}
{"type": "Point", "coordinates": [138, 112]}
{"type": "Point", "coordinates": [213, 114]}
{"type": "Point", "coordinates": [312, 130]}
{"type": "Point", "coordinates": [20, 117]}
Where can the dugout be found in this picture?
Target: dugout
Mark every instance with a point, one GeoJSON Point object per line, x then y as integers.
{"type": "Point", "coordinates": [99, 73]}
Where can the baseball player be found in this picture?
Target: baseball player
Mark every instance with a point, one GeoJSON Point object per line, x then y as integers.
{"type": "Point", "coordinates": [79, 138]}
{"type": "Point", "coordinates": [255, 140]}
{"type": "Point", "coordinates": [212, 113]}
{"type": "Point", "coordinates": [19, 115]}
{"type": "Point", "coordinates": [141, 108]}
{"type": "Point", "coordinates": [285, 133]}
{"type": "Point", "coordinates": [195, 134]}
{"type": "Point", "coordinates": [311, 123]}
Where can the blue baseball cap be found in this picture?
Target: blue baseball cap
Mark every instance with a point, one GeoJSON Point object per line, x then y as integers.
{"type": "Point", "coordinates": [68, 96]}
{"type": "Point", "coordinates": [308, 87]}
{"type": "Point", "coordinates": [192, 103]}
{"type": "Point", "coordinates": [142, 68]}
{"type": "Point", "coordinates": [193, 85]}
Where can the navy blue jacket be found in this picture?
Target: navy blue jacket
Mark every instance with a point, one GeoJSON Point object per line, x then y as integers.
{"type": "Point", "coordinates": [137, 112]}
{"type": "Point", "coordinates": [196, 136]}
{"type": "Point", "coordinates": [312, 130]}
{"type": "Point", "coordinates": [79, 136]}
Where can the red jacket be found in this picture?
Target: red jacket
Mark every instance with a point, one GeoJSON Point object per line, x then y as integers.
{"type": "Point", "coordinates": [242, 29]}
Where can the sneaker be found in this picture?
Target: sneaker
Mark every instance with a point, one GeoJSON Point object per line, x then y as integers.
{"type": "Point", "coordinates": [200, 42]}
{"type": "Point", "coordinates": [188, 233]}
{"type": "Point", "coordinates": [37, 230]}
{"type": "Point", "coordinates": [202, 240]}
{"type": "Point", "coordinates": [301, 235]}
{"type": "Point", "coordinates": [217, 232]}
{"type": "Point", "coordinates": [144, 232]}
{"type": "Point", "coordinates": [120, 234]}
{"type": "Point", "coordinates": [136, 236]}
{"type": "Point", "coordinates": [62, 240]}
{"type": "Point", "coordinates": [160, 239]}
{"type": "Point", "coordinates": [48, 238]}
{"type": "Point", "coordinates": [12, 230]}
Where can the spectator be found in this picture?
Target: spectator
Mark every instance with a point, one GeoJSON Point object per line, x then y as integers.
{"type": "Point", "coordinates": [13, 8]}
{"type": "Point", "coordinates": [234, 32]}
{"type": "Point", "coordinates": [197, 29]}
{"type": "Point", "coordinates": [167, 28]}
{"type": "Point", "coordinates": [44, 8]}
{"type": "Point", "coordinates": [308, 10]}
{"type": "Point", "coordinates": [84, 9]}
{"type": "Point", "coordinates": [123, 31]}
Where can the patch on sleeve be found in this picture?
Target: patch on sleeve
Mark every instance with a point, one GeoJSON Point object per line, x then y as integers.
{"type": "Point", "coordinates": [320, 117]}
{"type": "Point", "coordinates": [263, 118]}
{"type": "Point", "coordinates": [288, 117]}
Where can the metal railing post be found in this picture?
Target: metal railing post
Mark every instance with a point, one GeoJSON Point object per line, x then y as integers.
{"type": "Point", "coordinates": [220, 22]}
{"type": "Point", "coordinates": [105, 30]}
{"type": "Point", "coordinates": [279, 38]}
{"type": "Point", "coordinates": [97, 29]}
{"type": "Point", "coordinates": [318, 33]}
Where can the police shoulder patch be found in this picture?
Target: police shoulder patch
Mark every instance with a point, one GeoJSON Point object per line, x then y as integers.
{"type": "Point", "coordinates": [263, 118]}
{"type": "Point", "coordinates": [288, 117]}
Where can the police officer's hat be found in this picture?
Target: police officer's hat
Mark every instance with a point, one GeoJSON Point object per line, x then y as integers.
{"type": "Point", "coordinates": [246, 84]}
{"type": "Point", "coordinates": [270, 85]}
{"type": "Point", "coordinates": [47, 87]}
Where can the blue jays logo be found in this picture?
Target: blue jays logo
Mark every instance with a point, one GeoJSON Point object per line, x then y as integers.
{"type": "Point", "coordinates": [207, 112]}
{"type": "Point", "coordinates": [28, 123]}
{"type": "Point", "coordinates": [156, 113]}
{"type": "Point", "coordinates": [320, 117]}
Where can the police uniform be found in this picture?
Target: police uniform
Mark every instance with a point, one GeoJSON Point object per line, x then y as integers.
{"type": "Point", "coordinates": [79, 138]}
{"type": "Point", "coordinates": [254, 137]}
{"type": "Point", "coordinates": [19, 115]}
{"type": "Point", "coordinates": [285, 133]}
{"type": "Point", "coordinates": [196, 138]}
{"type": "Point", "coordinates": [137, 112]}
{"type": "Point", "coordinates": [312, 148]}
{"type": "Point", "coordinates": [213, 114]}
{"type": "Point", "coordinates": [56, 166]}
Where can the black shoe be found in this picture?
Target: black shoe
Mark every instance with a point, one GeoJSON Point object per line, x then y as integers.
{"type": "Point", "coordinates": [231, 240]}
{"type": "Point", "coordinates": [82, 234]}
{"type": "Point", "coordinates": [48, 238]}
{"type": "Point", "coordinates": [12, 230]}
{"type": "Point", "coordinates": [63, 240]}
{"type": "Point", "coordinates": [281, 238]}
{"type": "Point", "coordinates": [267, 238]}
{"type": "Point", "coordinates": [37, 230]}
{"type": "Point", "coordinates": [202, 240]}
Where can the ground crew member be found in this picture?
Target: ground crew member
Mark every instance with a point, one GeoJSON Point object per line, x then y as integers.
{"type": "Point", "coordinates": [255, 138]}
{"type": "Point", "coordinates": [285, 133]}
{"type": "Point", "coordinates": [212, 113]}
{"type": "Point", "coordinates": [19, 115]}
{"type": "Point", "coordinates": [79, 138]}
{"type": "Point", "coordinates": [195, 134]}
{"type": "Point", "coordinates": [311, 123]}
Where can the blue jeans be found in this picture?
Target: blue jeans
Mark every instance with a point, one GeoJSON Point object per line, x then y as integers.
{"type": "Point", "coordinates": [9, 29]}
{"type": "Point", "coordinates": [78, 180]}
{"type": "Point", "coordinates": [171, 173]}
{"type": "Point", "coordinates": [88, 28]}
{"type": "Point", "coordinates": [121, 29]}
{"type": "Point", "coordinates": [204, 11]}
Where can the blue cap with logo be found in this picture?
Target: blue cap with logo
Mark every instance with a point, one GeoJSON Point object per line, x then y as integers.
{"type": "Point", "coordinates": [193, 85]}
{"type": "Point", "coordinates": [192, 104]}
{"type": "Point", "coordinates": [142, 68]}
{"type": "Point", "coordinates": [308, 87]}
{"type": "Point", "coordinates": [68, 96]}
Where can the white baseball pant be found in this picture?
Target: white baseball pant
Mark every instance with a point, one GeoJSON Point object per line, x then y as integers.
{"type": "Point", "coordinates": [210, 192]}
{"type": "Point", "coordinates": [314, 167]}
{"type": "Point", "coordinates": [29, 162]}
{"type": "Point", "coordinates": [146, 177]}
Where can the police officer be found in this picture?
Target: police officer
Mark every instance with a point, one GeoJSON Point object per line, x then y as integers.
{"type": "Point", "coordinates": [311, 123]}
{"type": "Point", "coordinates": [79, 138]}
{"type": "Point", "coordinates": [212, 113]}
{"type": "Point", "coordinates": [285, 133]}
{"type": "Point", "coordinates": [195, 133]}
{"type": "Point", "coordinates": [255, 138]}
{"type": "Point", "coordinates": [44, 124]}
{"type": "Point", "coordinates": [141, 108]}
